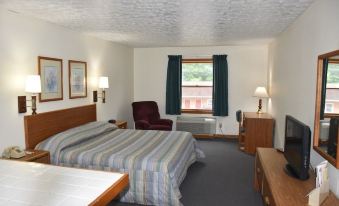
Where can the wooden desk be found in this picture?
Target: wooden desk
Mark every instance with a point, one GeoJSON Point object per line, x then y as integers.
{"type": "Point", "coordinates": [258, 131]}
{"type": "Point", "coordinates": [276, 187]}
{"type": "Point", "coordinates": [42, 184]}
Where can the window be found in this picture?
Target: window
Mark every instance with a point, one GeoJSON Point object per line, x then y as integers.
{"type": "Point", "coordinates": [332, 88]}
{"type": "Point", "coordinates": [187, 103]}
{"type": "Point", "coordinates": [329, 108]}
{"type": "Point", "coordinates": [197, 85]}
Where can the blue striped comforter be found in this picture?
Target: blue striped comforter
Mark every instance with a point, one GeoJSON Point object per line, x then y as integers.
{"type": "Point", "coordinates": [156, 161]}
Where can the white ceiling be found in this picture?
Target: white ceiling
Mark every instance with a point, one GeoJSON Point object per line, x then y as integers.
{"type": "Point", "coordinates": [152, 23]}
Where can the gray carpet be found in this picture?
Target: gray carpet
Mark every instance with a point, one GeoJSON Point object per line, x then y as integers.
{"type": "Point", "coordinates": [224, 177]}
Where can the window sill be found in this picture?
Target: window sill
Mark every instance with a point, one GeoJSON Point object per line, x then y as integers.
{"type": "Point", "coordinates": [330, 115]}
{"type": "Point", "coordinates": [196, 111]}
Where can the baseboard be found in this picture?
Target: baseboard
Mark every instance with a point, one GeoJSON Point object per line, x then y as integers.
{"type": "Point", "coordinates": [212, 136]}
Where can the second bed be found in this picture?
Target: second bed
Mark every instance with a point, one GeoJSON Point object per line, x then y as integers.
{"type": "Point", "coordinates": [156, 161]}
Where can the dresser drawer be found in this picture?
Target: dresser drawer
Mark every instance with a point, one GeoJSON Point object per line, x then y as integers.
{"type": "Point", "coordinates": [259, 174]}
{"type": "Point", "coordinates": [267, 194]}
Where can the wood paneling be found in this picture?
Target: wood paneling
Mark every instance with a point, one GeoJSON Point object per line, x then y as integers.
{"type": "Point", "coordinates": [41, 126]}
{"type": "Point", "coordinates": [277, 187]}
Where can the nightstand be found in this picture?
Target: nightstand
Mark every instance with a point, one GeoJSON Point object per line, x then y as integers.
{"type": "Point", "coordinates": [39, 156]}
{"type": "Point", "coordinates": [121, 124]}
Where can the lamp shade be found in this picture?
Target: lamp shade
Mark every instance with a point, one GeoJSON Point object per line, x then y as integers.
{"type": "Point", "coordinates": [33, 84]}
{"type": "Point", "coordinates": [260, 92]}
{"type": "Point", "coordinates": [103, 82]}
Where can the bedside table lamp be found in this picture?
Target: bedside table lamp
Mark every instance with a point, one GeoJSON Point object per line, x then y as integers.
{"type": "Point", "coordinates": [103, 84]}
{"type": "Point", "coordinates": [33, 86]}
{"type": "Point", "coordinates": [261, 93]}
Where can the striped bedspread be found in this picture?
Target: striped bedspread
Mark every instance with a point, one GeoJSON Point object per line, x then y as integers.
{"type": "Point", "coordinates": [156, 161]}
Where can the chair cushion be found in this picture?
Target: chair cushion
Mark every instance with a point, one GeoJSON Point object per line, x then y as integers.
{"type": "Point", "coordinates": [145, 110]}
{"type": "Point", "coordinates": [167, 122]}
{"type": "Point", "coordinates": [160, 127]}
{"type": "Point", "coordinates": [146, 116]}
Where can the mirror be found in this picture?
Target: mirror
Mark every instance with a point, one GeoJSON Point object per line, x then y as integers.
{"type": "Point", "coordinates": [326, 121]}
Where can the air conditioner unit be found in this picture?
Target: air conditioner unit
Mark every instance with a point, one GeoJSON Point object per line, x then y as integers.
{"type": "Point", "coordinates": [196, 125]}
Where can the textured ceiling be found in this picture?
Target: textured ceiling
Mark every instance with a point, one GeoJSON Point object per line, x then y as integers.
{"type": "Point", "coordinates": [150, 23]}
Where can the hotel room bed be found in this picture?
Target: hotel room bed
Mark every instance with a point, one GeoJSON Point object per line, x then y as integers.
{"type": "Point", "coordinates": [156, 161]}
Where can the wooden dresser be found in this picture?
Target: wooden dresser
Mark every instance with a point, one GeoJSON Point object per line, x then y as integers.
{"type": "Point", "coordinates": [276, 187]}
{"type": "Point", "coordinates": [258, 131]}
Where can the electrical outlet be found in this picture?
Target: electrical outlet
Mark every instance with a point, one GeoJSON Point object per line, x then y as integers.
{"type": "Point", "coordinates": [220, 125]}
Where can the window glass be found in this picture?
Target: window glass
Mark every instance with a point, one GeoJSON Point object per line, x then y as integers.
{"type": "Point", "coordinates": [197, 85]}
{"type": "Point", "coordinates": [332, 89]}
{"type": "Point", "coordinates": [329, 108]}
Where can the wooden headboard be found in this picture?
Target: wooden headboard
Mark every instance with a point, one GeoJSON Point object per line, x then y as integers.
{"type": "Point", "coordinates": [41, 126]}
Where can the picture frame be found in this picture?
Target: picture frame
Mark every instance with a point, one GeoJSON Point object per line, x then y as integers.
{"type": "Point", "coordinates": [77, 78]}
{"type": "Point", "coordinates": [50, 71]}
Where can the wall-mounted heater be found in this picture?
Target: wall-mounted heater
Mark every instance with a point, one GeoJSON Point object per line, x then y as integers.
{"type": "Point", "coordinates": [196, 125]}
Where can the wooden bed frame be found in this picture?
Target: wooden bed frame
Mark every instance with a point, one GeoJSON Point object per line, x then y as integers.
{"type": "Point", "coordinates": [41, 126]}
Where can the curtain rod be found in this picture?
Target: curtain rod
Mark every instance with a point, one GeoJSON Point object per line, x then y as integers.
{"type": "Point", "coordinates": [196, 56]}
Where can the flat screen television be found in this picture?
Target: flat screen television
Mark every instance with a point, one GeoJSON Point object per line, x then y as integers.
{"type": "Point", "coordinates": [297, 148]}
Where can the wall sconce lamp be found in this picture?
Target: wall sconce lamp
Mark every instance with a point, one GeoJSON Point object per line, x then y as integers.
{"type": "Point", "coordinates": [33, 86]}
{"type": "Point", "coordinates": [261, 93]}
{"type": "Point", "coordinates": [103, 84]}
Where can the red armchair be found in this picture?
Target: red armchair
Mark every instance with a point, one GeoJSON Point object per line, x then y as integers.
{"type": "Point", "coordinates": [146, 117]}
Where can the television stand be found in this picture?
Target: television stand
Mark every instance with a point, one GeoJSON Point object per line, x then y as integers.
{"type": "Point", "coordinates": [289, 170]}
{"type": "Point", "coordinates": [278, 188]}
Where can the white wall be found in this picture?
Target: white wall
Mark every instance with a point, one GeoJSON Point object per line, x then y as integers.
{"type": "Point", "coordinates": [22, 39]}
{"type": "Point", "coordinates": [247, 70]}
{"type": "Point", "coordinates": [293, 65]}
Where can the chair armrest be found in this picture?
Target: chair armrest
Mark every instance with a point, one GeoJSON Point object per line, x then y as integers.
{"type": "Point", "coordinates": [163, 122]}
{"type": "Point", "coordinates": [142, 124]}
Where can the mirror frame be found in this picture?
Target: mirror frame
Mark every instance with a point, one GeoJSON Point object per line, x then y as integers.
{"type": "Point", "coordinates": [329, 158]}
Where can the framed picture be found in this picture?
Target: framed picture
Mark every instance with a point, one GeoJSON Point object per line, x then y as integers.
{"type": "Point", "coordinates": [77, 71]}
{"type": "Point", "coordinates": [50, 71]}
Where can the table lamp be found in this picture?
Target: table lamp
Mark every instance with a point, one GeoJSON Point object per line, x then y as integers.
{"type": "Point", "coordinates": [261, 93]}
{"type": "Point", "coordinates": [33, 86]}
{"type": "Point", "coordinates": [103, 84]}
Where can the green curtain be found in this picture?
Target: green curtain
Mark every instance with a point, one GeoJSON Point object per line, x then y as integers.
{"type": "Point", "coordinates": [173, 85]}
{"type": "Point", "coordinates": [323, 88]}
{"type": "Point", "coordinates": [220, 85]}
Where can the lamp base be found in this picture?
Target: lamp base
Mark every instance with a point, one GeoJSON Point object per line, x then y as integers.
{"type": "Point", "coordinates": [22, 107]}
{"type": "Point", "coordinates": [95, 96]}
{"type": "Point", "coordinates": [259, 107]}
{"type": "Point", "coordinates": [34, 105]}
